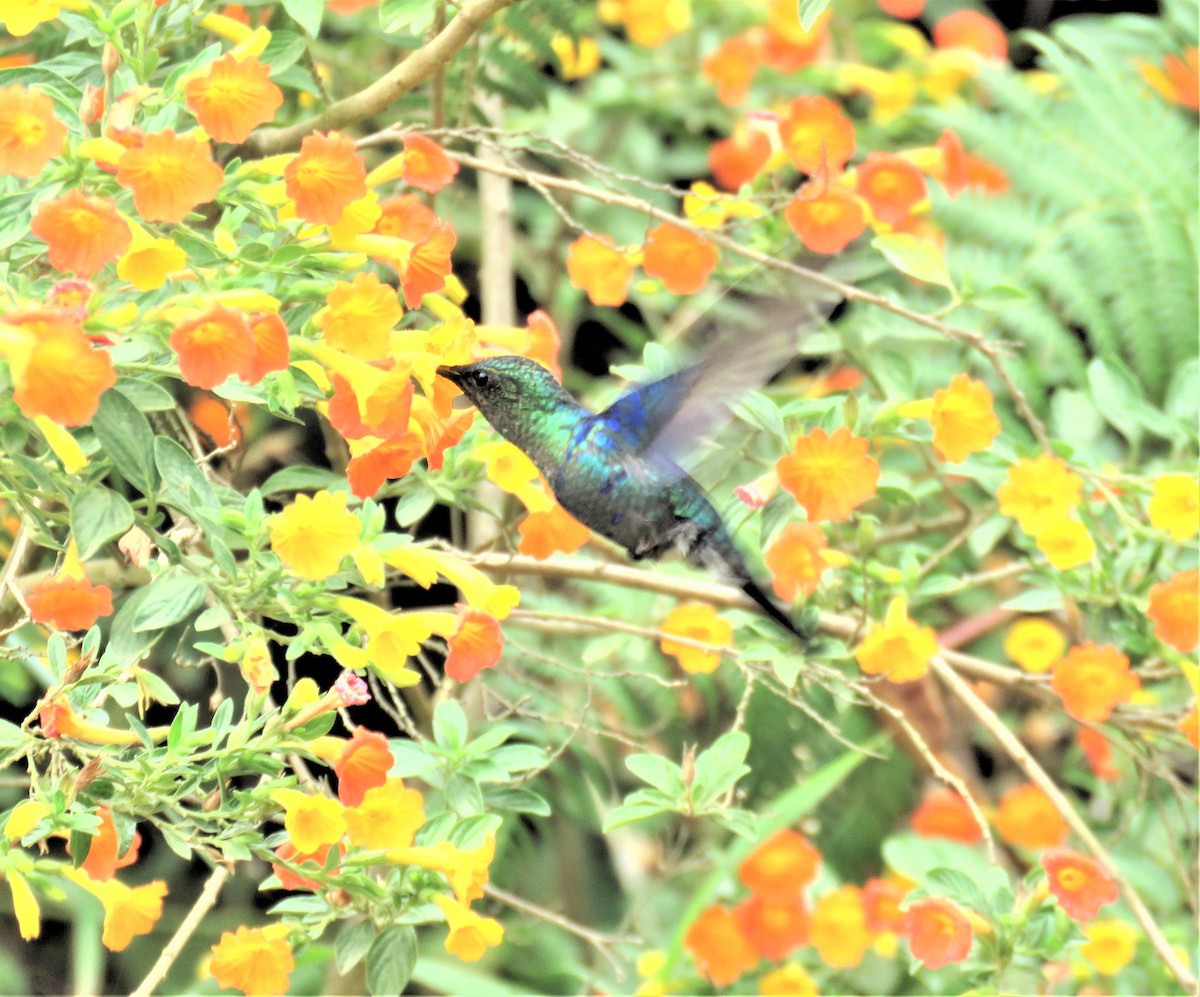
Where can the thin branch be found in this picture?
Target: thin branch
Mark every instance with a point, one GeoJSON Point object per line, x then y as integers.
{"type": "Point", "coordinates": [204, 903]}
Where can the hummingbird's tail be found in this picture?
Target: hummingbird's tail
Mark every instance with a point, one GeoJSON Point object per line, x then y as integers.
{"type": "Point", "coordinates": [769, 606]}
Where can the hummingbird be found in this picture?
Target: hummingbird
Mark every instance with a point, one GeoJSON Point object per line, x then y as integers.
{"type": "Point", "coordinates": [614, 470]}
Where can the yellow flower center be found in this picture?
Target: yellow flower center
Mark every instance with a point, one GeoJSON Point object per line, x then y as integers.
{"type": "Point", "coordinates": [29, 129]}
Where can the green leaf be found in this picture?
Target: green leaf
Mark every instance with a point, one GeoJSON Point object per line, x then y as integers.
{"type": "Point", "coordinates": [631, 813]}
{"type": "Point", "coordinates": [352, 944]}
{"type": "Point", "coordinates": [958, 886]}
{"type": "Point", "coordinates": [915, 258]}
{"type": "Point", "coordinates": [125, 435]}
{"type": "Point", "coordinates": [412, 17]}
{"type": "Point", "coordinates": [184, 486]}
{"type": "Point", "coordinates": [306, 13]}
{"type": "Point", "coordinates": [450, 726]}
{"type": "Point", "coordinates": [147, 396]}
{"type": "Point", "coordinates": [719, 768]}
{"type": "Point", "coordinates": [391, 959]}
{"type": "Point", "coordinates": [445, 976]}
{"type": "Point", "coordinates": [171, 597]}
{"type": "Point", "coordinates": [660, 773]}
{"type": "Point", "coordinates": [809, 11]}
{"type": "Point", "coordinates": [1035, 601]}
{"type": "Point", "coordinates": [301, 479]}
{"type": "Point", "coordinates": [98, 514]}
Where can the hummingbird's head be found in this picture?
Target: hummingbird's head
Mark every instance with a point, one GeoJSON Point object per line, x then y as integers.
{"type": "Point", "coordinates": [509, 391]}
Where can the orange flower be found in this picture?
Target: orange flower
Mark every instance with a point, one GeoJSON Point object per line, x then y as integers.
{"type": "Point", "coordinates": [30, 134]}
{"type": "Point", "coordinates": [1035, 644]}
{"type": "Point", "coordinates": [213, 346]}
{"type": "Point", "coordinates": [963, 419]}
{"type": "Point", "coordinates": [426, 165]}
{"type": "Point", "coordinates": [740, 158]}
{"type": "Point", "coordinates": [102, 860]}
{"type": "Point", "coordinates": [1079, 883]}
{"type": "Point", "coordinates": [781, 867]}
{"type": "Point", "coordinates": [289, 880]}
{"type": "Point", "coordinates": [1179, 79]}
{"type": "Point", "coordinates": [943, 813]}
{"type": "Point", "coordinates": [681, 259]}
{"type": "Point", "coordinates": [361, 316]}
{"type": "Point", "coordinates": [1174, 610]}
{"type": "Point", "coordinates": [56, 371]}
{"type": "Point", "coordinates": [817, 135]}
{"type": "Point", "coordinates": [838, 928]}
{"type": "Point", "coordinates": [906, 10]}
{"type": "Point", "coordinates": [326, 176]}
{"type": "Point", "coordinates": [973, 30]}
{"type": "Point", "coordinates": [169, 175]}
{"type": "Point", "coordinates": [474, 646]}
{"type": "Point", "coordinates": [1097, 750]}
{"type": "Point", "coordinates": [83, 233]}
{"type": "Point", "coordinates": [825, 218]}
{"type": "Point", "coordinates": [829, 475]}
{"type": "Point", "coordinates": [986, 176]}
{"type": "Point", "coordinates": [721, 951]}
{"type": "Point", "coordinates": [774, 928]}
{"type": "Point", "coordinates": [257, 961]}
{"type": "Point", "coordinates": [385, 415]}
{"type": "Point", "coordinates": [59, 719]}
{"type": "Point", "coordinates": [789, 46]}
{"type": "Point", "coordinates": [897, 648]}
{"type": "Point", "coordinates": [233, 97]}
{"type": "Point", "coordinates": [544, 342]}
{"type": "Point", "coordinates": [428, 265]}
{"type": "Point", "coordinates": [881, 901]}
{"type": "Point", "coordinates": [600, 269]}
{"type": "Point", "coordinates": [732, 66]}
{"type": "Point", "coordinates": [552, 531]}
{"type": "Point", "coordinates": [1066, 543]}
{"type": "Point", "coordinates": [367, 471]}
{"type": "Point", "coordinates": [1037, 492]}
{"type": "Point", "coordinates": [1189, 726]}
{"type": "Point", "coordinates": [892, 186]}
{"type": "Point", "coordinates": [1028, 819]}
{"type": "Point", "coordinates": [470, 935]}
{"type": "Point", "coordinates": [363, 764]}
{"type": "Point", "coordinates": [128, 911]}
{"type": "Point", "coordinates": [696, 621]}
{"type": "Point", "coordinates": [271, 348]}
{"type": "Point", "coordinates": [938, 932]}
{"type": "Point", "coordinates": [405, 217]}
{"type": "Point", "coordinates": [1092, 680]}
{"type": "Point", "coordinates": [795, 561]}
{"type": "Point", "coordinates": [388, 817]}
{"type": "Point", "coordinates": [256, 666]}
{"type": "Point", "coordinates": [69, 603]}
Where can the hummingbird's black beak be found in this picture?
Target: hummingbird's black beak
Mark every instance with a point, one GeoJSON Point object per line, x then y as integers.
{"type": "Point", "coordinates": [454, 374]}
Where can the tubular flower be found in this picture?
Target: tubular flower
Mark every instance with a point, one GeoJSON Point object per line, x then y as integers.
{"type": "Point", "coordinates": [732, 66]}
{"type": "Point", "coordinates": [1066, 543]}
{"type": "Point", "coordinates": [470, 935]}
{"type": "Point", "coordinates": [428, 265]}
{"type": "Point", "coordinates": [314, 534]}
{"type": "Point", "coordinates": [789, 45]}
{"type": "Point", "coordinates": [257, 961]}
{"type": "Point", "coordinates": [426, 165]}
{"type": "Point", "coordinates": [388, 817]}
{"type": "Point", "coordinates": [817, 135]}
{"type": "Point", "coordinates": [1175, 505]}
{"type": "Point", "coordinates": [169, 176]}
{"type": "Point", "coordinates": [963, 419]}
{"type": "Point", "coordinates": [790, 980]}
{"type": "Point", "coordinates": [1035, 644]}
{"type": "Point", "coordinates": [150, 260]}
{"type": "Point", "coordinates": [59, 719]}
{"type": "Point", "coordinates": [826, 218]}
{"type": "Point", "coordinates": [721, 951]}
{"type": "Point", "coordinates": [213, 346]}
{"type": "Point", "coordinates": [829, 475]}
{"type": "Point", "coordinates": [326, 177]}
{"type": "Point", "coordinates": [368, 469]}
{"type": "Point", "coordinates": [1028, 819]}
{"type": "Point", "coordinates": [361, 316]}
{"type": "Point", "coordinates": [544, 342]}
{"type": "Point", "coordinates": [781, 867]}
{"type": "Point", "coordinates": [1097, 750]}
{"type": "Point", "coordinates": [384, 412]}
{"type": "Point", "coordinates": [600, 269]}
{"type": "Point", "coordinates": [83, 233]}
{"type": "Point", "coordinates": [897, 648]}
{"type": "Point", "coordinates": [233, 97]}
{"type": "Point", "coordinates": [892, 186]}
{"type": "Point", "coordinates": [405, 217]}
{"type": "Point", "coordinates": [310, 821]}
{"type": "Point", "coordinates": [943, 813]}
{"type": "Point", "coordinates": [1092, 680]}
{"type": "Point", "coordinates": [25, 906]}
{"type": "Point", "coordinates": [1111, 945]}
{"type": "Point", "coordinates": [757, 493]}
{"type": "Point", "coordinates": [362, 764]}
{"type": "Point", "coordinates": [938, 932]}
{"type": "Point", "coordinates": [881, 900]}
{"type": "Point", "coordinates": [467, 870]}
{"type": "Point", "coordinates": [128, 911]}
{"type": "Point", "coordinates": [56, 371]}
{"type": "Point", "coordinates": [737, 160]}
{"type": "Point", "coordinates": [773, 928]}
{"type": "Point", "coordinates": [271, 347]}
{"type": "Point", "coordinates": [649, 23]}
{"type": "Point", "coordinates": [22, 16]}
{"type": "Point", "coordinates": [476, 644]}
{"type": "Point", "coordinates": [551, 531]}
{"type": "Point", "coordinates": [25, 816]}
{"type": "Point", "coordinates": [972, 30]}
{"type": "Point", "coordinates": [1174, 610]}
{"type": "Point", "coordinates": [700, 622]}
{"type": "Point", "coordinates": [838, 928]}
{"type": "Point", "coordinates": [257, 667]}
{"type": "Point", "coordinates": [577, 59]}
{"type": "Point", "coordinates": [1079, 883]}
{"type": "Point", "coordinates": [681, 259]}
{"type": "Point", "coordinates": [1039, 492]}
{"type": "Point", "coordinates": [795, 561]}
{"type": "Point", "coordinates": [66, 603]}
{"type": "Point", "coordinates": [289, 880]}
{"type": "Point", "coordinates": [1178, 81]}
{"type": "Point", "coordinates": [102, 861]}
{"type": "Point", "coordinates": [30, 134]}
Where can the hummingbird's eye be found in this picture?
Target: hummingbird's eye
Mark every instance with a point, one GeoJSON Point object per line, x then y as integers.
{"type": "Point", "coordinates": [481, 378]}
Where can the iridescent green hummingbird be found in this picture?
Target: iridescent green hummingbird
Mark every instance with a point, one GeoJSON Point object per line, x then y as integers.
{"type": "Point", "coordinates": [614, 470]}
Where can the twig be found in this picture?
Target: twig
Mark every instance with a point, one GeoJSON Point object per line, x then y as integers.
{"type": "Point", "coordinates": [204, 903]}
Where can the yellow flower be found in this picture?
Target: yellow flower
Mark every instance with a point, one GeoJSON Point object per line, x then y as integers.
{"type": "Point", "coordinates": [24, 818]}
{"type": "Point", "coordinates": [467, 870]}
{"type": "Point", "coordinates": [1039, 492]}
{"type": "Point", "coordinates": [310, 821]}
{"type": "Point", "coordinates": [577, 59]}
{"type": "Point", "coordinates": [388, 817]}
{"type": "Point", "coordinates": [149, 259]}
{"type": "Point", "coordinates": [22, 16]}
{"type": "Point", "coordinates": [1175, 505]}
{"type": "Point", "coordinates": [25, 906]}
{"type": "Point", "coordinates": [1110, 946]}
{"type": "Point", "coordinates": [128, 911]}
{"type": "Point", "coordinates": [470, 935]}
{"type": "Point", "coordinates": [1035, 644]}
{"type": "Point", "coordinates": [707, 207]}
{"type": "Point", "coordinates": [892, 93]}
{"type": "Point", "coordinates": [423, 566]}
{"type": "Point", "coordinates": [396, 637]}
{"type": "Point", "coordinates": [66, 448]}
{"type": "Point", "coordinates": [312, 536]}
{"type": "Point", "coordinates": [510, 469]}
{"type": "Point", "coordinates": [838, 928]}
{"type": "Point", "coordinates": [254, 960]}
{"type": "Point", "coordinates": [700, 622]}
{"type": "Point", "coordinates": [360, 317]}
{"type": "Point", "coordinates": [789, 980]}
{"type": "Point", "coordinates": [648, 22]}
{"type": "Point", "coordinates": [963, 419]}
{"type": "Point", "coordinates": [257, 667]}
{"type": "Point", "coordinates": [898, 648]}
{"type": "Point", "coordinates": [1066, 544]}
